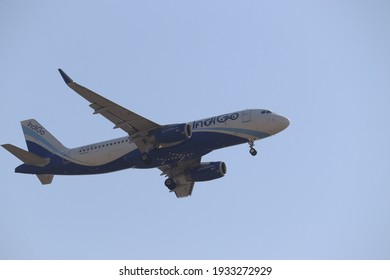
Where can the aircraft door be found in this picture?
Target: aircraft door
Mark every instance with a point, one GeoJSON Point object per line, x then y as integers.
{"type": "Point", "coordinates": [246, 116]}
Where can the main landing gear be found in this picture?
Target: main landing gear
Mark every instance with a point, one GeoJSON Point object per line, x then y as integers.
{"type": "Point", "coordinates": [170, 184]}
{"type": "Point", "coordinates": [252, 150]}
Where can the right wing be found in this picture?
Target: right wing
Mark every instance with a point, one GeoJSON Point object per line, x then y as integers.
{"type": "Point", "coordinates": [135, 125]}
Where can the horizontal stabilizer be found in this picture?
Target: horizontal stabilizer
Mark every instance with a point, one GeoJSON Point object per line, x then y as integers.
{"type": "Point", "coordinates": [26, 157]}
{"type": "Point", "coordinates": [45, 178]}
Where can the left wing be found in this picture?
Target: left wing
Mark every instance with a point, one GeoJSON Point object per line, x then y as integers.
{"type": "Point", "coordinates": [135, 125]}
{"type": "Point", "coordinates": [184, 184]}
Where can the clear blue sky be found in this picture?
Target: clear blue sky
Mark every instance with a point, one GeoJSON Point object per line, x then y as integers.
{"type": "Point", "coordinates": [319, 190]}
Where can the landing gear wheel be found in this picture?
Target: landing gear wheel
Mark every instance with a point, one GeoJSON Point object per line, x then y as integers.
{"type": "Point", "coordinates": [170, 184]}
{"type": "Point", "coordinates": [145, 158]}
{"type": "Point", "coordinates": [253, 151]}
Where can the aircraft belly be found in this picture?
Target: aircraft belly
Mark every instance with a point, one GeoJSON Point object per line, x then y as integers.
{"type": "Point", "coordinates": [200, 144]}
{"type": "Point", "coordinates": [203, 141]}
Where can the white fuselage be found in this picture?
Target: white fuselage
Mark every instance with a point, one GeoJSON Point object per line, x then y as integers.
{"type": "Point", "coordinates": [252, 124]}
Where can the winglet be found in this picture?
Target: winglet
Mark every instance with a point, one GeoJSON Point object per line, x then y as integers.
{"type": "Point", "coordinates": [66, 78]}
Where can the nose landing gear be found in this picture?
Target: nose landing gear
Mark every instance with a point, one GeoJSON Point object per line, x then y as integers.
{"type": "Point", "coordinates": [252, 150]}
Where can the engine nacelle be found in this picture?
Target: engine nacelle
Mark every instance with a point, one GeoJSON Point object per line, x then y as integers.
{"type": "Point", "coordinates": [173, 133]}
{"type": "Point", "coordinates": [208, 171]}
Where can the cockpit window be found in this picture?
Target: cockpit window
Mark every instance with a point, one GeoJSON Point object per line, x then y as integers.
{"type": "Point", "coordinates": [266, 112]}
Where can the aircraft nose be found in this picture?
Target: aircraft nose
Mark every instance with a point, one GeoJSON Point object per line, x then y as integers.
{"type": "Point", "coordinates": [281, 123]}
{"type": "Point", "coordinates": [284, 123]}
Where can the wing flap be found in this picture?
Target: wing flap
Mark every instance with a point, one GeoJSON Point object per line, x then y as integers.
{"type": "Point", "coordinates": [184, 190]}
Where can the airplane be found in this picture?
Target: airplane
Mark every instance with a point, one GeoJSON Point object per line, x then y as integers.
{"type": "Point", "coordinates": [176, 149]}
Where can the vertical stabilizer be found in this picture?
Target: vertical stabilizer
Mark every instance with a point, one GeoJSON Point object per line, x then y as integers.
{"type": "Point", "coordinates": [40, 141]}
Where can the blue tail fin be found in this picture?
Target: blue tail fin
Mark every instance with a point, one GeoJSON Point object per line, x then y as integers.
{"type": "Point", "coordinates": [40, 141]}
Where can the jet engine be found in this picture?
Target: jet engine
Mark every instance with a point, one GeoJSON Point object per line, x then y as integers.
{"type": "Point", "coordinates": [208, 171]}
{"type": "Point", "coordinates": [173, 133]}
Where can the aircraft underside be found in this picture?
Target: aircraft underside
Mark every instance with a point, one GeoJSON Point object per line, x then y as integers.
{"type": "Point", "coordinates": [200, 144]}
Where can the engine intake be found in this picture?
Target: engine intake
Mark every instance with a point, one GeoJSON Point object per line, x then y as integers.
{"type": "Point", "coordinates": [173, 133]}
{"type": "Point", "coordinates": [208, 171]}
